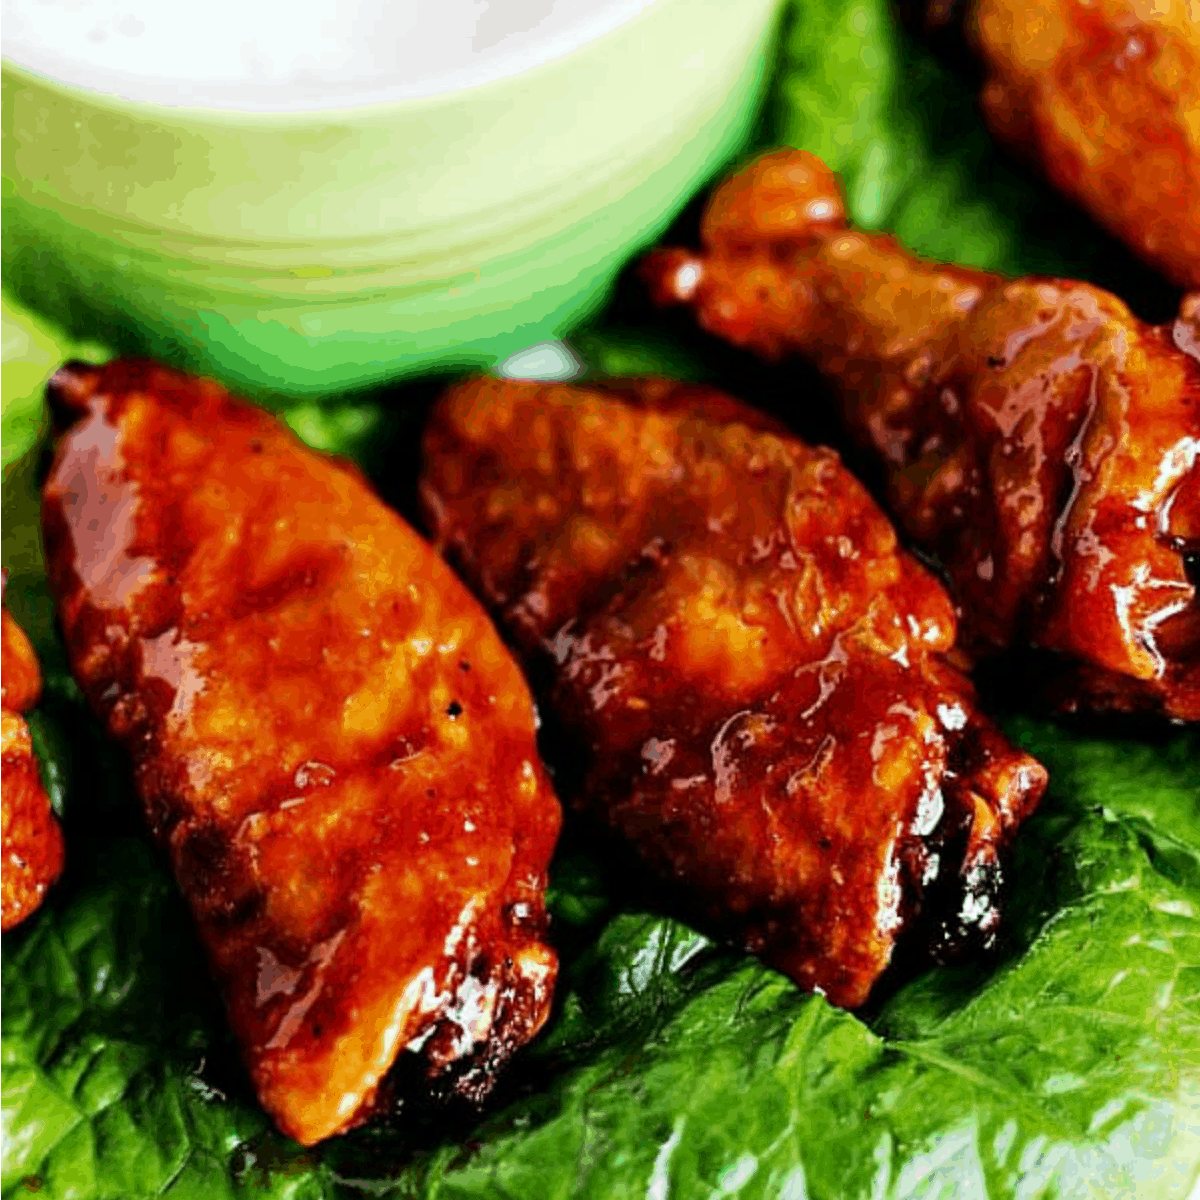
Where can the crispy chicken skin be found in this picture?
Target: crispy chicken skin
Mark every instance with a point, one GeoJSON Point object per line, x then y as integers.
{"type": "Point", "coordinates": [1105, 96]}
{"type": "Point", "coordinates": [1039, 440]}
{"type": "Point", "coordinates": [328, 737]}
{"type": "Point", "coordinates": [754, 673]}
{"type": "Point", "coordinates": [32, 840]}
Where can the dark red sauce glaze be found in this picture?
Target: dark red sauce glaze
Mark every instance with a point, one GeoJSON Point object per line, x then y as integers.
{"type": "Point", "coordinates": [755, 674]}
{"type": "Point", "coordinates": [1040, 441]}
{"type": "Point", "coordinates": [328, 736]}
{"type": "Point", "coordinates": [1103, 97]}
{"type": "Point", "coordinates": [32, 843]}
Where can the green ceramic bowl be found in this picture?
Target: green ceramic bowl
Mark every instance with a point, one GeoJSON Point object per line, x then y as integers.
{"type": "Point", "coordinates": [316, 251]}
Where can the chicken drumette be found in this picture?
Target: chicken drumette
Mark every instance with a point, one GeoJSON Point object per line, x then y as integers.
{"type": "Point", "coordinates": [1104, 96]}
{"type": "Point", "coordinates": [328, 738]}
{"type": "Point", "coordinates": [1036, 438]}
{"type": "Point", "coordinates": [32, 840]}
{"type": "Point", "coordinates": [754, 673]}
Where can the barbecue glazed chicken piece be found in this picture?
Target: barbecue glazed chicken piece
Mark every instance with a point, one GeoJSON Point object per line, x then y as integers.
{"type": "Point", "coordinates": [1036, 438]}
{"type": "Point", "coordinates": [1105, 98]}
{"type": "Point", "coordinates": [328, 737]}
{"type": "Point", "coordinates": [754, 673]}
{"type": "Point", "coordinates": [32, 840]}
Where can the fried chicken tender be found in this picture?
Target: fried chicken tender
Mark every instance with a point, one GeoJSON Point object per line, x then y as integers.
{"type": "Point", "coordinates": [328, 737]}
{"type": "Point", "coordinates": [1105, 96]}
{"type": "Point", "coordinates": [754, 673]}
{"type": "Point", "coordinates": [32, 841]}
{"type": "Point", "coordinates": [1037, 439]}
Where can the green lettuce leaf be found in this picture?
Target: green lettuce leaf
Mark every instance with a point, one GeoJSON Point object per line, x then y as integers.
{"type": "Point", "coordinates": [1069, 1068]}
{"type": "Point", "coordinates": [110, 1021]}
{"type": "Point", "coordinates": [33, 347]}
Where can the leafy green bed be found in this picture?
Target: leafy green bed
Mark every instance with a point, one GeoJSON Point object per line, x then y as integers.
{"type": "Point", "coordinates": [1067, 1066]}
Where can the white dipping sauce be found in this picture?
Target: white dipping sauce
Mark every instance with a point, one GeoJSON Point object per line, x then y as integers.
{"type": "Point", "coordinates": [301, 54]}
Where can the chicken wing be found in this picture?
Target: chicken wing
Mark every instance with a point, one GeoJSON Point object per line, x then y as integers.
{"type": "Point", "coordinates": [32, 841]}
{"type": "Point", "coordinates": [1105, 96]}
{"type": "Point", "coordinates": [328, 738]}
{"type": "Point", "coordinates": [754, 672]}
{"type": "Point", "coordinates": [1040, 441]}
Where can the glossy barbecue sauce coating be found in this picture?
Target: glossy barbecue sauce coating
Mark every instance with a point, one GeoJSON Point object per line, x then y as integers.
{"type": "Point", "coordinates": [754, 673]}
{"type": "Point", "coordinates": [329, 739]}
{"type": "Point", "coordinates": [1105, 96]}
{"type": "Point", "coordinates": [32, 845]}
{"type": "Point", "coordinates": [1040, 441]}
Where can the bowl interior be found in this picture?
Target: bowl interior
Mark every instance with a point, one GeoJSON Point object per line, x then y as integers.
{"type": "Point", "coordinates": [299, 55]}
